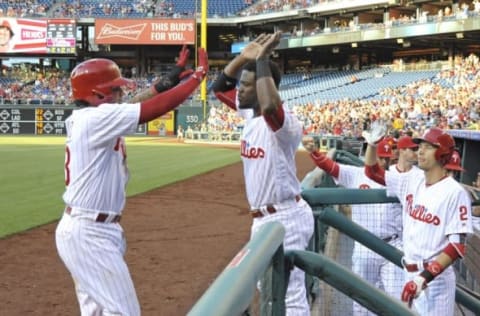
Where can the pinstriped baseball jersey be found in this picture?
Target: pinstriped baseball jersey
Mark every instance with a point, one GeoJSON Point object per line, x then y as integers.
{"type": "Point", "coordinates": [431, 212]}
{"type": "Point", "coordinates": [96, 175]}
{"type": "Point", "coordinates": [269, 160]}
{"type": "Point", "coordinates": [383, 220]}
{"type": "Point", "coordinates": [96, 170]}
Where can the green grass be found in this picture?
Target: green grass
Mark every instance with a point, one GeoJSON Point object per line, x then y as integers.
{"type": "Point", "coordinates": [32, 176]}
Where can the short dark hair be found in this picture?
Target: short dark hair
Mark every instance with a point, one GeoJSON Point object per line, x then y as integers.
{"type": "Point", "coordinates": [274, 69]}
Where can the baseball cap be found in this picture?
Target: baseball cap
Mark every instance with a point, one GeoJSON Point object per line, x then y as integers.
{"type": "Point", "coordinates": [384, 149]}
{"type": "Point", "coordinates": [391, 141]}
{"type": "Point", "coordinates": [455, 162]}
{"type": "Point", "coordinates": [406, 142]}
{"type": "Point", "coordinates": [5, 24]}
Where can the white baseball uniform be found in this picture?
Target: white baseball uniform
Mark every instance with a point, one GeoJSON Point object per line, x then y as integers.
{"type": "Point", "coordinates": [384, 221]}
{"type": "Point", "coordinates": [270, 177]}
{"type": "Point", "coordinates": [430, 214]}
{"type": "Point", "coordinates": [89, 241]}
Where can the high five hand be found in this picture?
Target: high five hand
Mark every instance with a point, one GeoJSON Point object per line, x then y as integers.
{"type": "Point", "coordinates": [268, 44]}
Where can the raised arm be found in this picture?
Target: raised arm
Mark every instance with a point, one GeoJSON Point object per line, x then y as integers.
{"type": "Point", "coordinates": [164, 83]}
{"type": "Point", "coordinates": [224, 86]}
{"type": "Point", "coordinates": [267, 92]}
{"type": "Point", "coordinates": [168, 100]}
{"type": "Point", "coordinates": [372, 169]}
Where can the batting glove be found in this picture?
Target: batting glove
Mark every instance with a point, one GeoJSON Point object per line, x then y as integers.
{"type": "Point", "coordinates": [412, 289]}
{"type": "Point", "coordinates": [183, 57]}
{"type": "Point", "coordinates": [202, 68]}
{"type": "Point", "coordinates": [377, 131]}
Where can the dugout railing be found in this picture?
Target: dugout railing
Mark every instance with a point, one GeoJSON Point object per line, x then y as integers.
{"type": "Point", "coordinates": [324, 201]}
{"type": "Point", "coordinates": [262, 258]}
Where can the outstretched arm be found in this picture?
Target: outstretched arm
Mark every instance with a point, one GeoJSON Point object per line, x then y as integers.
{"type": "Point", "coordinates": [170, 99]}
{"type": "Point", "coordinates": [321, 160]}
{"type": "Point", "coordinates": [164, 83]}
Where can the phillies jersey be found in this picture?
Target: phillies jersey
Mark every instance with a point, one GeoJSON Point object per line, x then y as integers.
{"type": "Point", "coordinates": [382, 219]}
{"type": "Point", "coordinates": [430, 213]}
{"type": "Point", "coordinates": [96, 171]}
{"type": "Point", "coordinates": [269, 158]}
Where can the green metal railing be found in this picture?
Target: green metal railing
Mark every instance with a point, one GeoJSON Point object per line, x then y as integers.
{"type": "Point", "coordinates": [233, 290]}
{"type": "Point", "coordinates": [325, 197]}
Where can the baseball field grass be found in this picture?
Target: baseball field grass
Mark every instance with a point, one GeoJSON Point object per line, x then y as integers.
{"type": "Point", "coordinates": [32, 174]}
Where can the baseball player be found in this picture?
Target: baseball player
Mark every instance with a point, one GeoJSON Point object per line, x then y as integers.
{"type": "Point", "coordinates": [436, 221]}
{"type": "Point", "coordinates": [269, 142]}
{"type": "Point", "coordinates": [383, 220]}
{"type": "Point", "coordinates": [89, 239]}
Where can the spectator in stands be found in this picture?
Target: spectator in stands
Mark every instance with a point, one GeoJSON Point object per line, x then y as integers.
{"type": "Point", "coordinates": [6, 36]}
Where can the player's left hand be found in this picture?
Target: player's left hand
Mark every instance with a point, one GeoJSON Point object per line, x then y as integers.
{"type": "Point", "coordinates": [412, 289]}
{"type": "Point", "coordinates": [183, 57]}
{"type": "Point", "coordinates": [309, 144]}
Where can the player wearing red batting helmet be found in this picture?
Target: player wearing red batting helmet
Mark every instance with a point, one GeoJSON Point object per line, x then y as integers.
{"type": "Point", "coordinates": [92, 81]}
{"type": "Point", "coordinates": [436, 220]}
{"type": "Point", "coordinates": [443, 142]}
{"type": "Point", "coordinates": [89, 239]}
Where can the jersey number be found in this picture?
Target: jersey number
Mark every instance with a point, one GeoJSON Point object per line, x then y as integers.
{"type": "Point", "coordinates": [463, 213]}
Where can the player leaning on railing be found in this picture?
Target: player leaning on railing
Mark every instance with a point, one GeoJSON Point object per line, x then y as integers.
{"type": "Point", "coordinates": [436, 220]}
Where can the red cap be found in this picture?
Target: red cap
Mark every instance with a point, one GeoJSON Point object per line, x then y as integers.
{"type": "Point", "coordinates": [406, 142]}
{"type": "Point", "coordinates": [6, 24]}
{"type": "Point", "coordinates": [391, 141]}
{"type": "Point", "coordinates": [384, 149]}
{"type": "Point", "coordinates": [455, 163]}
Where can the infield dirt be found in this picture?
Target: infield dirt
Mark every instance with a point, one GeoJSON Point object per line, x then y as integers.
{"type": "Point", "coordinates": [179, 238]}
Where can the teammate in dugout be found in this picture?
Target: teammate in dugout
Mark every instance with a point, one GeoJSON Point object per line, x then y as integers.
{"type": "Point", "coordinates": [383, 220]}
{"type": "Point", "coordinates": [89, 239]}
{"type": "Point", "coordinates": [436, 218]}
{"type": "Point", "coordinates": [269, 142]}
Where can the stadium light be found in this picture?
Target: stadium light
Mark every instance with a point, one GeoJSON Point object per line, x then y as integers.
{"type": "Point", "coordinates": [399, 40]}
{"type": "Point", "coordinates": [459, 35]}
{"type": "Point", "coordinates": [354, 45]}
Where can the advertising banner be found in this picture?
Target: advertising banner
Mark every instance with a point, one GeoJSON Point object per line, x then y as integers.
{"type": "Point", "coordinates": [145, 31]}
{"type": "Point", "coordinates": [163, 125]}
{"type": "Point", "coordinates": [22, 36]}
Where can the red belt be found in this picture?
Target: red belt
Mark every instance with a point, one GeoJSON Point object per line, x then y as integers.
{"type": "Point", "coordinates": [101, 217]}
{"type": "Point", "coordinates": [270, 208]}
{"type": "Point", "coordinates": [414, 267]}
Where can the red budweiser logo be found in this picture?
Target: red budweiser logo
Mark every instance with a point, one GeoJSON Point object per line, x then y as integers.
{"type": "Point", "coordinates": [131, 32]}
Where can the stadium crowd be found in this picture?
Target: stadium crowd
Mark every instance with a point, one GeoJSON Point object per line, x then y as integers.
{"type": "Point", "coordinates": [451, 100]}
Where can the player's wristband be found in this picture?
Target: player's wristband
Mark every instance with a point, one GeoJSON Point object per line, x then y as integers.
{"type": "Point", "coordinates": [263, 67]}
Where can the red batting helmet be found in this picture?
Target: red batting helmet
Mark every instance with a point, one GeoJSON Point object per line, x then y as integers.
{"type": "Point", "coordinates": [444, 142]}
{"type": "Point", "coordinates": [92, 81]}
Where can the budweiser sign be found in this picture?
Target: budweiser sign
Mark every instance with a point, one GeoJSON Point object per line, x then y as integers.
{"type": "Point", "coordinates": [145, 31]}
{"type": "Point", "coordinates": [128, 32]}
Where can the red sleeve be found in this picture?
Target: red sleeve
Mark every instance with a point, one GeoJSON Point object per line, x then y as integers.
{"type": "Point", "coordinates": [228, 97]}
{"type": "Point", "coordinates": [326, 164]}
{"type": "Point", "coordinates": [167, 101]}
{"type": "Point", "coordinates": [375, 173]}
{"type": "Point", "coordinates": [275, 120]}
